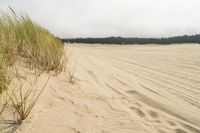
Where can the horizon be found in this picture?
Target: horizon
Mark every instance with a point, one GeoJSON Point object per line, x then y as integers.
{"type": "Point", "coordinates": [127, 18]}
{"type": "Point", "coordinates": [197, 34]}
{"type": "Point", "coordinates": [97, 66]}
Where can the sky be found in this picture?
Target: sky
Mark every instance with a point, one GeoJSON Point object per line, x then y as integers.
{"type": "Point", "coordinates": [103, 18]}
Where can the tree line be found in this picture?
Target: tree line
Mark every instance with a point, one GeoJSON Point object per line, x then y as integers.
{"type": "Point", "coordinates": [135, 40]}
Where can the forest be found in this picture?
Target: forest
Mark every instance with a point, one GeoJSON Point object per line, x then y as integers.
{"type": "Point", "coordinates": [136, 40]}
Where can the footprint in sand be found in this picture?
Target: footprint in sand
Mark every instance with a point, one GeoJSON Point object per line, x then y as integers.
{"type": "Point", "coordinates": [180, 131]}
{"type": "Point", "coordinates": [138, 111]}
{"type": "Point", "coordinates": [171, 123]}
{"type": "Point", "coordinates": [190, 128]}
{"type": "Point", "coordinates": [153, 114]}
{"type": "Point", "coordinates": [61, 98]}
{"type": "Point", "coordinates": [138, 104]}
{"type": "Point", "coordinates": [161, 131]}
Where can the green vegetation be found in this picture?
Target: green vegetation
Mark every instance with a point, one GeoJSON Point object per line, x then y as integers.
{"type": "Point", "coordinates": [20, 38]}
{"type": "Point", "coordinates": [23, 100]}
{"type": "Point", "coordinates": [4, 78]}
{"type": "Point", "coordinates": [122, 40]}
{"type": "Point", "coordinates": [23, 41]}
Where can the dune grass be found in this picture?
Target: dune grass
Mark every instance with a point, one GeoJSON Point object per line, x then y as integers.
{"type": "Point", "coordinates": [21, 38]}
{"type": "Point", "coordinates": [22, 100]}
{"type": "Point", "coordinates": [4, 77]}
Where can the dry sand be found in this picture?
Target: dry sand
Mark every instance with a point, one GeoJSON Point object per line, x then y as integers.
{"type": "Point", "coordinates": [122, 89]}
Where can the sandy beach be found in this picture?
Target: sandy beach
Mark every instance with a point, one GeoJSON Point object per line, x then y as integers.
{"type": "Point", "coordinates": [122, 89]}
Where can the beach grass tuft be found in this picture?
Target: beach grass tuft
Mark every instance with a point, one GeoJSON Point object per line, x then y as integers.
{"type": "Point", "coordinates": [21, 38]}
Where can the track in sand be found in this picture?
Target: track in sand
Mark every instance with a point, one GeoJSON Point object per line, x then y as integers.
{"type": "Point", "coordinates": [124, 89]}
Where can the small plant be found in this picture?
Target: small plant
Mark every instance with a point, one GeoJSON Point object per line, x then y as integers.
{"type": "Point", "coordinates": [23, 101]}
{"type": "Point", "coordinates": [72, 79]}
{"type": "Point", "coordinates": [16, 105]}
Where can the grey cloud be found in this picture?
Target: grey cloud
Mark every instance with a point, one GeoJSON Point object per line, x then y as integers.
{"type": "Point", "coordinates": [100, 18]}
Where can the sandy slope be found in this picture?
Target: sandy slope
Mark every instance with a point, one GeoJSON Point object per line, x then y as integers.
{"type": "Point", "coordinates": [122, 89]}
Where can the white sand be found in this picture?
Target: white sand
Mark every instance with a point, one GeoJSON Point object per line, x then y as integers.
{"type": "Point", "coordinates": [122, 89]}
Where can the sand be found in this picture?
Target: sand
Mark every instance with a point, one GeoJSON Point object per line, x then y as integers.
{"type": "Point", "coordinates": [122, 89]}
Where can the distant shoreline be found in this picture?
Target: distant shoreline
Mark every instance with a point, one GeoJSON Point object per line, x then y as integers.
{"type": "Point", "coordinates": [135, 40]}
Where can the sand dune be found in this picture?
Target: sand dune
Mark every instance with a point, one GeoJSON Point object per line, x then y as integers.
{"type": "Point", "coordinates": [122, 89]}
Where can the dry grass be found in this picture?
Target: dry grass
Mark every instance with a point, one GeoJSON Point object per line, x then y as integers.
{"type": "Point", "coordinates": [24, 41]}
{"type": "Point", "coordinates": [23, 100]}
{"type": "Point", "coordinates": [20, 37]}
{"type": "Point", "coordinates": [17, 103]}
{"type": "Point", "coordinates": [72, 79]}
{"type": "Point", "coordinates": [4, 78]}
{"type": "Point", "coordinates": [36, 46]}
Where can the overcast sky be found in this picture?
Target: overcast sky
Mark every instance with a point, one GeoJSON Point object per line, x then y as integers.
{"type": "Point", "coordinates": [101, 18]}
